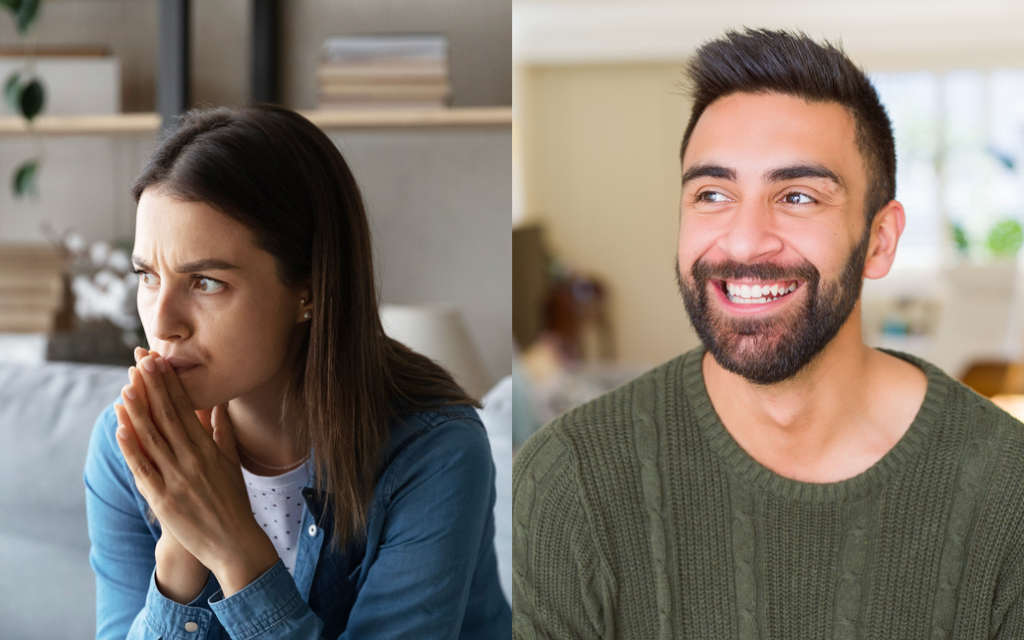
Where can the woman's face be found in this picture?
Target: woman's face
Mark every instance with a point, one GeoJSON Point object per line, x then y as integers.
{"type": "Point", "coordinates": [230, 316]}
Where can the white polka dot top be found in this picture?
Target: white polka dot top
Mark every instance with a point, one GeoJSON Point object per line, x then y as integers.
{"type": "Point", "coordinates": [277, 506]}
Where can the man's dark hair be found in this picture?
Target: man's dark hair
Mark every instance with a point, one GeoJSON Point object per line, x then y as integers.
{"type": "Point", "coordinates": [762, 61]}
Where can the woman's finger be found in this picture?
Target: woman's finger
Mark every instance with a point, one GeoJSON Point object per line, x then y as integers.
{"type": "Point", "coordinates": [146, 476]}
{"type": "Point", "coordinates": [135, 377]}
{"type": "Point", "coordinates": [140, 353]}
{"type": "Point", "coordinates": [164, 412]}
{"type": "Point", "coordinates": [149, 436]}
{"type": "Point", "coordinates": [179, 399]}
{"type": "Point", "coordinates": [125, 422]}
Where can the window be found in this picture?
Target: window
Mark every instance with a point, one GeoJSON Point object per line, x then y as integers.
{"type": "Point", "coordinates": [959, 147]}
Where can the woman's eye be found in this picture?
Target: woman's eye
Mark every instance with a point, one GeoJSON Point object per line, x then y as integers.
{"type": "Point", "coordinates": [207, 285]}
{"type": "Point", "coordinates": [216, 284]}
{"type": "Point", "coordinates": [797, 198]}
{"type": "Point", "coordinates": [711, 196]}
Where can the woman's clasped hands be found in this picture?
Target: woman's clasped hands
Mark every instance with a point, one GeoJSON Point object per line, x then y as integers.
{"type": "Point", "coordinates": [186, 466]}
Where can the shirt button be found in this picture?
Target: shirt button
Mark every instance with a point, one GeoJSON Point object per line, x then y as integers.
{"type": "Point", "coordinates": [191, 627]}
{"type": "Point", "coordinates": [312, 529]}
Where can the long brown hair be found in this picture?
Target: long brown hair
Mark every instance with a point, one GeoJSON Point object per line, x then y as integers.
{"type": "Point", "coordinates": [276, 173]}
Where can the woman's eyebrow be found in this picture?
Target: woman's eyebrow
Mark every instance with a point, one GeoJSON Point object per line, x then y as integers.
{"type": "Point", "coordinates": [208, 264]}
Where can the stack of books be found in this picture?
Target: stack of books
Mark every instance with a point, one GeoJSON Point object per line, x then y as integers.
{"type": "Point", "coordinates": [31, 288]}
{"type": "Point", "coordinates": [384, 72]}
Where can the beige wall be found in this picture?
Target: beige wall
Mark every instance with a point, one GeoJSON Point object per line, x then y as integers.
{"type": "Point", "coordinates": [601, 171]}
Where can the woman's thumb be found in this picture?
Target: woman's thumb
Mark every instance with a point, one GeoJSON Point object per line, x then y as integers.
{"type": "Point", "coordinates": [224, 432]}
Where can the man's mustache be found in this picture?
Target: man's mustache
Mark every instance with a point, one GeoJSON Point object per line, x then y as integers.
{"type": "Point", "coordinates": [703, 271]}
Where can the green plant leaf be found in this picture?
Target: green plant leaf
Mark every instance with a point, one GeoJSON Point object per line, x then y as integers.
{"type": "Point", "coordinates": [1005, 238]}
{"type": "Point", "coordinates": [27, 12]}
{"type": "Point", "coordinates": [11, 5]}
{"type": "Point", "coordinates": [25, 178]}
{"type": "Point", "coordinates": [12, 90]}
{"type": "Point", "coordinates": [959, 237]}
{"type": "Point", "coordinates": [32, 98]}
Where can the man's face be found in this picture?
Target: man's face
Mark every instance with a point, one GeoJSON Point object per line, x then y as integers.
{"type": "Point", "coordinates": [773, 235]}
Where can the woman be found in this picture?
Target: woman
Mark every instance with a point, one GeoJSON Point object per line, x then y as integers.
{"type": "Point", "coordinates": [281, 468]}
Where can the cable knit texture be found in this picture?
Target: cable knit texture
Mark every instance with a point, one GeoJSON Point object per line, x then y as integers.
{"type": "Point", "coordinates": [637, 516]}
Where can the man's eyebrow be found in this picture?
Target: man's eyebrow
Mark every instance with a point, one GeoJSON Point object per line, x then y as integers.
{"type": "Point", "coordinates": [795, 172]}
{"type": "Point", "coordinates": [708, 171]}
{"type": "Point", "coordinates": [208, 264]}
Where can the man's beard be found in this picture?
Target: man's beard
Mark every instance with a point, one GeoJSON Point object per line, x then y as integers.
{"type": "Point", "coordinates": [767, 350]}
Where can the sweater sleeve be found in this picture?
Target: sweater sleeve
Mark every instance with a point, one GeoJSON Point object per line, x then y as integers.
{"type": "Point", "coordinates": [560, 584]}
{"type": "Point", "coordinates": [1008, 604]}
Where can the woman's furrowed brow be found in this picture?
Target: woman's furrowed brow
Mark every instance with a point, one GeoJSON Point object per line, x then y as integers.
{"type": "Point", "coordinates": [207, 264]}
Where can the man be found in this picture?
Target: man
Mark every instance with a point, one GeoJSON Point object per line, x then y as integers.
{"type": "Point", "coordinates": [784, 480]}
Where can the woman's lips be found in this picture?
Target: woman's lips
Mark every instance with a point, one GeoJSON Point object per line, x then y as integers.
{"type": "Point", "coordinates": [181, 370]}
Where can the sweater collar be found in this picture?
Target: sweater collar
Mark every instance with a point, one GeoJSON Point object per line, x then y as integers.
{"type": "Point", "coordinates": [691, 385]}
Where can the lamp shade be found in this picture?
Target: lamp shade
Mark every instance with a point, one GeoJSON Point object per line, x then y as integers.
{"type": "Point", "coordinates": [438, 333]}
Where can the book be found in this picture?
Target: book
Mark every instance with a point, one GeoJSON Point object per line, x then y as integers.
{"type": "Point", "coordinates": [383, 46]}
{"type": "Point", "coordinates": [383, 72]}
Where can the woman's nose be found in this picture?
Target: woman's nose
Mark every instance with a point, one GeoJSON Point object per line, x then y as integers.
{"type": "Point", "coordinates": [168, 319]}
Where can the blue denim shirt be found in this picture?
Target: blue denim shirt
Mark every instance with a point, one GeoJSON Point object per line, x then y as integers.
{"type": "Point", "coordinates": [426, 569]}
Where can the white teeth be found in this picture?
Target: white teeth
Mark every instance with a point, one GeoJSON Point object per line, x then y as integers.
{"type": "Point", "coordinates": [757, 294]}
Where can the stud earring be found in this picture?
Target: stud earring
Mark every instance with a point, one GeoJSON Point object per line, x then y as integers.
{"type": "Point", "coordinates": [307, 315]}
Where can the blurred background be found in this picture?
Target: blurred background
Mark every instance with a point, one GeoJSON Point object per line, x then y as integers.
{"type": "Point", "coordinates": [416, 95]}
{"type": "Point", "coordinates": [430, 146]}
{"type": "Point", "coordinates": [600, 109]}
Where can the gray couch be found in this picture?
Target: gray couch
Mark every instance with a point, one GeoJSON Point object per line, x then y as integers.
{"type": "Point", "coordinates": [47, 411]}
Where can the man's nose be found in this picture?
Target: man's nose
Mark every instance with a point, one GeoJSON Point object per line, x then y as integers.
{"type": "Point", "coordinates": [751, 234]}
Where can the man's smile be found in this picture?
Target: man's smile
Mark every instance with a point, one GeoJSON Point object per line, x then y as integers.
{"type": "Point", "coordinates": [753, 296]}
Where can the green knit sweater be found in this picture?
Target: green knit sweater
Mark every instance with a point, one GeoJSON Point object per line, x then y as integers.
{"type": "Point", "coordinates": [638, 516]}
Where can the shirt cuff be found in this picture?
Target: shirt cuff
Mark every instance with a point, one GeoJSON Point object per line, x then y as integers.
{"type": "Point", "coordinates": [260, 605]}
{"type": "Point", "coordinates": [174, 621]}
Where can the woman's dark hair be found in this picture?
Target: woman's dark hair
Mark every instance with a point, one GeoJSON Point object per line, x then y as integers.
{"type": "Point", "coordinates": [280, 176]}
{"type": "Point", "coordinates": [763, 61]}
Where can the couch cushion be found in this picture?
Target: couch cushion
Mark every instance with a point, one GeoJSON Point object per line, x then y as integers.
{"type": "Point", "coordinates": [47, 412]}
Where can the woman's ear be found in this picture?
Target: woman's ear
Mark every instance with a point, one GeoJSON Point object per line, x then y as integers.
{"type": "Point", "coordinates": [305, 307]}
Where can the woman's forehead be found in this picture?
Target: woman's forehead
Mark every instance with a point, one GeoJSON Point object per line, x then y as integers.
{"type": "Point", "coordinates": [173, 232]}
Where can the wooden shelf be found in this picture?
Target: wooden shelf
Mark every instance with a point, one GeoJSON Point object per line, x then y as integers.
{"type": "Point", "coordinates": [83, 125]}
{"type": "Point", "coordinates": [148, 123]}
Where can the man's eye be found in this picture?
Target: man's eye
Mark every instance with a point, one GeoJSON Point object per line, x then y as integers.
{"type": "Point", "coordinates": [711, 196]}
{"type": "Point", "coordinates": [796, 197]}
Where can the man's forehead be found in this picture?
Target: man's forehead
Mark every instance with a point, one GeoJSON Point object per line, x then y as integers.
{"type": "Point", "coordinates": [764, 133]}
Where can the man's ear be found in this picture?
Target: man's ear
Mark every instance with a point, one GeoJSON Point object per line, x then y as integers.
{"type": "Point", "coordinates": [886, 229]}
